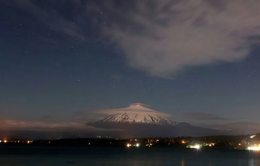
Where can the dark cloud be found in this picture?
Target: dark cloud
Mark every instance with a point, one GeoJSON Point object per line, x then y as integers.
{"type": "Point", "coordinates": [12, 124]}
{"type": "Point", "coordinates": [203, 116]}
{"type": "Point", "coordinates": [238, 127]}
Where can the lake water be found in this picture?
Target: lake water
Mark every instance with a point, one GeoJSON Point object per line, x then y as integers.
{"type": "Point", "coordinates": [68, 156]}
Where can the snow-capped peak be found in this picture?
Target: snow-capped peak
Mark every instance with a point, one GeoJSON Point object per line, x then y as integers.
{"type": "Point", "coordinates": [138, 114]}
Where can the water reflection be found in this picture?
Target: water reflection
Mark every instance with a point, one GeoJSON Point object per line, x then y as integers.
{"type": "Point", "coordinates": [154, 157]}
{"type": "Point", "coordinates": [210, 163]}
{"type": "Point", "coordinates": [182, 163]}
{"type": "Point", "coordinates": [251, 162]}
{"type": "Point", "coordinates": [254, 161]}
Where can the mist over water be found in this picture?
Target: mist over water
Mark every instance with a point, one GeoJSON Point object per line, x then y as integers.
{"type": "Point", "coordinates": [81, 156]}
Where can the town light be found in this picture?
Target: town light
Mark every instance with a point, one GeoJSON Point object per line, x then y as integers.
{"type": "Point", "coordinates": [197, 146]}
{"type": "Point", "coordinates": [254, 148]}
{"type": "Point", "coordinates": [252, 136]}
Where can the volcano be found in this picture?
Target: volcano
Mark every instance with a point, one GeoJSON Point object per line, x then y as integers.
{"type": "Point", "coordinates": [137, 114]}
{"type": "Point", "coordinates": [137, 120]}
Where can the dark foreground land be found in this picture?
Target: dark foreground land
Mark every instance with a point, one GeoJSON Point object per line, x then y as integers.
{"type": "Point", "coordinates": [210, 142]}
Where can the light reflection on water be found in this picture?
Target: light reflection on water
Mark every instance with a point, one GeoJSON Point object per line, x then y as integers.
{"type": "Point", "coordinates": [254, 159]}
{"type": "Point", "coordinates": [251, 162]}
{"type": "Point", "coordinates": [182, 163]}
{"type": "Point", "coordinates": [129, 157]}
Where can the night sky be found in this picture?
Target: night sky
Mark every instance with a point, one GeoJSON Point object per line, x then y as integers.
{"type": "Point", "coordinates": [61, 60]}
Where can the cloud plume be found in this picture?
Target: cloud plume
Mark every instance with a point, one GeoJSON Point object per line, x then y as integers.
{"type": "Point", "coordinates": [203, 116]}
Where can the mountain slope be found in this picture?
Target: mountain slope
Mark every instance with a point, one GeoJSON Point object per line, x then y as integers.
{"type": "Point", "coordinates": [137, 118]}
{"type": "Point", "coordinates": [140, 121]}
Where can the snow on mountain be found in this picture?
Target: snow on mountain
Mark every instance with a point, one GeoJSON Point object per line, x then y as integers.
{"type": "Point", "coordinates": [139, 121]}
{"type": "Point", "coordinates": [133, 118]}
{"type": "Point", "coordinates": [137, 114]}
